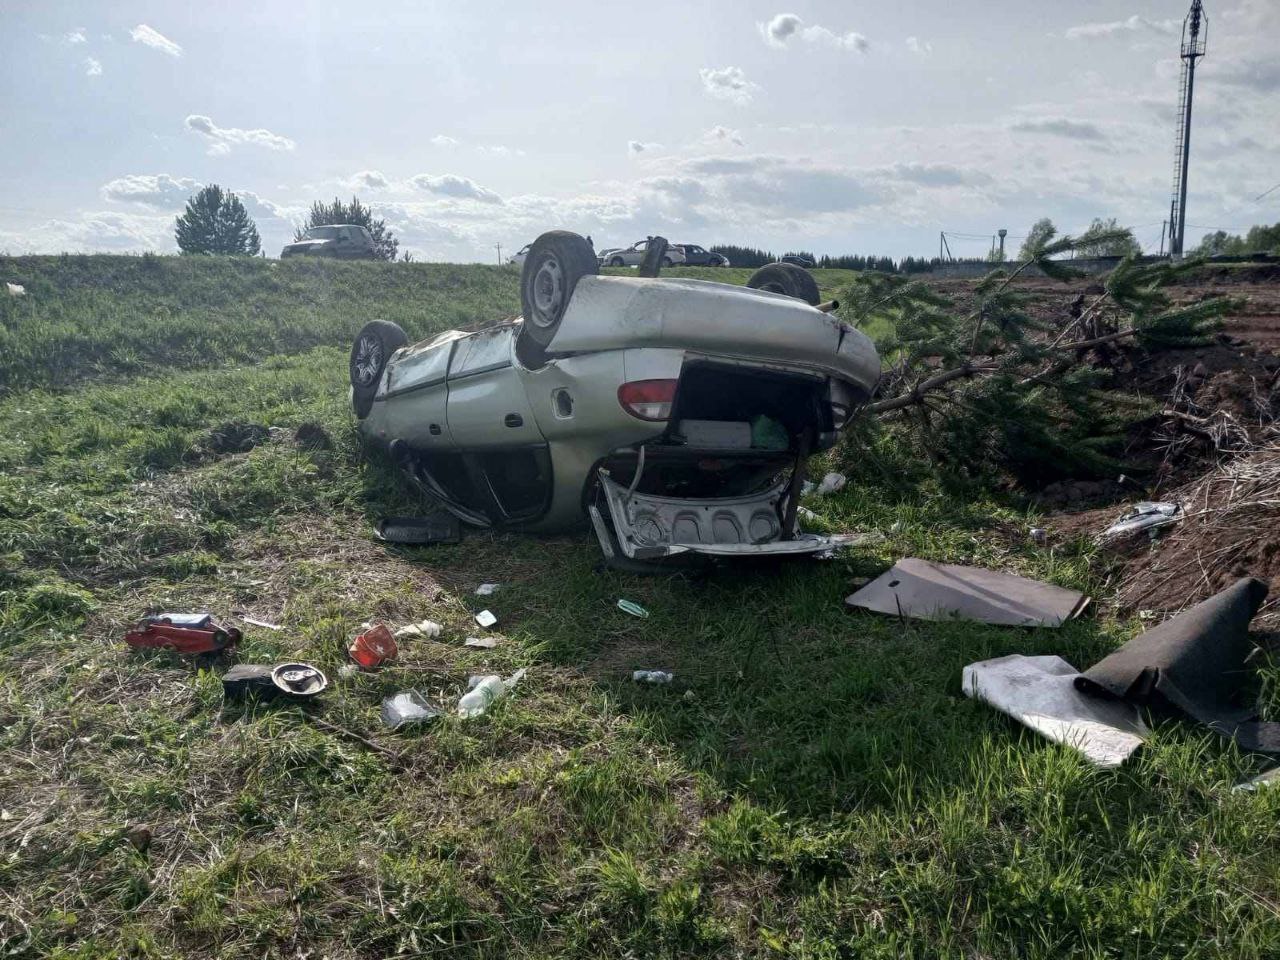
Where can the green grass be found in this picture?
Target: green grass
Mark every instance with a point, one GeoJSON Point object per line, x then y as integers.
{"type": "Point", "coordinates": [812, 785]}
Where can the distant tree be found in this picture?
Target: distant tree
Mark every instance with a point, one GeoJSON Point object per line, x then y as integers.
{"type": "Point", "coordinates": [215, 221]}
{"type": "Point", "coordinates": [744, 256]}
{"type": "Point", "coordinates": [1041, 232]}
{"type": "Point", "coordinates": [322, 214]}
{"type": "Point", "coordinates": [1259, 239]}
{"type": "Point", "coordinates": [1218, 243]}
{"type": "Point", "coordinates": [1263, 239]}
{"type": "Point", "coordinates": [1106, 238]}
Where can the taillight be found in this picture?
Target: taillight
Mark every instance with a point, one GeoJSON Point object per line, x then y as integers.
{"type": "Point", "coordinates": [648, 399]}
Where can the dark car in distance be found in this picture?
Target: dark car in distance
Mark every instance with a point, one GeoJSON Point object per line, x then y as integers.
{"type": "Point", "coordinates": [342, 241]}
{"type": "Point", "coordinates": [697, 256]}
{"type": "Point", "coordinates": [798, 260]}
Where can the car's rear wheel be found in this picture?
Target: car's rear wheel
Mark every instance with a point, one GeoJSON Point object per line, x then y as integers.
{"type": "Point", "coordinates": [668, 262]}
{"type": "Point", "coordinates": [373, 347]}
{"type": "Point", "coordinates": [787, 279]}
{"type": "Point", "coordinates": [557, 260]}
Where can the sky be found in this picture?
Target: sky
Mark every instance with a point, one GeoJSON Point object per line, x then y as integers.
{"type": "Point", "coordinates": [833, 127]}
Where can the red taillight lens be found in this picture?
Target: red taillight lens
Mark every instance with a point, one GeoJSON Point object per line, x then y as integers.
{"type": "Point", "coordinates": [648, 399]}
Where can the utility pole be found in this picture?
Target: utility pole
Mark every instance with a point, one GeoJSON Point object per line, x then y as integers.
{"type": "Point", "coordinates": [1194, 44]}
{"type": "Point", "coordinates": [1164, 225]}
{"type": "Point", "coordinates": [499, 246]}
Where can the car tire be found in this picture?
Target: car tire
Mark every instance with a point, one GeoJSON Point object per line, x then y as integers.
{"type": "Point", "coordinates": [787, 279]}
{"type": "Point", "coordinates": [617, 262]}
{"type": "Point", "coordinates": [373, 347]}
{"type": "Point", "coordinates": [557, 260]}
{"type": "Point", "coordinates": [668, 262]}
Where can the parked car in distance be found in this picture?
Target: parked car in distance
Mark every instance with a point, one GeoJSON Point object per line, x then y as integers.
{"type": "Point", "coordinates": [799, 261]}
{"type": "Point", "coordinates": [343, 241]}
{"type": "Point", "coordinates": [632, 255]}
{"type": "Point", "coordinates": [696, 256]}
{"type": "Point", "coordinates": [517, 258]}
{"type": "Point", "coordinates": [672, 415]}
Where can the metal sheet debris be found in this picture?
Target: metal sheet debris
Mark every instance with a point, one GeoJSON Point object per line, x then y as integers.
{"type": "Point", "coordinates": [940, 591]}
{"type": "Point", "coordinates": [486, 618]}
{"type": "Point", "coordinates": [1040, 693]}
{"type": "Point", "coordinates": [1148, 515]}
{"type": "Point", "coordinates": [1198, 662]}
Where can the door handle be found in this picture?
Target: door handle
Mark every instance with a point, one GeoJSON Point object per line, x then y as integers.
{"type": "Point", "coordinates": [513, 420]}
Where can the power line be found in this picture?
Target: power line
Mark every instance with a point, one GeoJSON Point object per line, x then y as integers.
{"type": "Point", "coordinates": [1263, 194]}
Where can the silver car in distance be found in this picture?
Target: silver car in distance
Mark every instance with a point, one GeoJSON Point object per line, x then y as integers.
{"type": "Point", "coordinates": [673, 415]}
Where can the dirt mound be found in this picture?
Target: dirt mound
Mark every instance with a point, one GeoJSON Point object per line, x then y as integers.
{"type": "Point", "coordinates": [1230, 529]}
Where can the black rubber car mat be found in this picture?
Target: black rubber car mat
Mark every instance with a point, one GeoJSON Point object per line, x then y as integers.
{"type": "Point", "coordinates": [1196, 662]}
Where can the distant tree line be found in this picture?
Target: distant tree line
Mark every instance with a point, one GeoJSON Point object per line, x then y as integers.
{"type": "Point", "coordinates": [753, 257]}
{"type": "Point", "coordinates": [1259, 239]}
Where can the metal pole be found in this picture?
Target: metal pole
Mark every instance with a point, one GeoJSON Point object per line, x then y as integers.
{"type": "Point", "coordinates": [499, 246]}
{"type": "Point", "coordinates": [1164, 224]}
{"type": "Point", "coordinates": [1176, 238]}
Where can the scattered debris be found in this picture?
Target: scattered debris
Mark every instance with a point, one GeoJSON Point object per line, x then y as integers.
{"type": "Point", "coordinates": [259, 623]}
{"type": "Point", "coordinates": [483, 691]}
{"type": "Point", "coordinates": [1198, 663]}
{"type": "Point", "coordinates": [233, 437]}
{"type": "Point", "coordinates": [408, 706]}
{"type": "Point", "coordinates": [245, 679]}
{"type": "Point", "coordinates": [139, 837]}
{"type": "Point", "coordinates": [806, 514]}
{"type": "Point", "coordinates": [299, 679]}
{"type": "Point", "coordinates": [439, 527]}
{"type": "Point", "coordinates": [484, 643]}
{"type": "Point", "coordinates": [312, 436]}
{"type": "Point", "coordinates": [652, 676]}
{"type": "Point", "coordinates": [1039, 536]}
{"type": "Point", "coordinates": [373, 647]}
{"type": "Point", "coordinates": [193, 633]}
{"type": "Point", "coordinates": [1040, 693]}
{"type": "Point", "coordinates": [487, 589]}
{"type": "Point", "coordinates": [939, 591]}
{"type": "Point", "coordinates": [1148, 515]}
{"type": "Point", "coordinates": [348, 670]}
{"type": "Point", "coordinates": [628, 606]}
{"type": "Point", "coordinates": [1265, 779]}
{"type": "Point", "coordinates": [832, 483]}
{"type": "Point", "coordinates": [426, 628]}
{"type": "Point", "coordinates": [16, 289]}
{"type": "Point", "coordinates": [486, 618]}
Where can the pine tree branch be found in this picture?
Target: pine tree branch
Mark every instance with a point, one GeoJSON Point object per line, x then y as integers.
{"type": "Point", "coordinates": [916, 393]}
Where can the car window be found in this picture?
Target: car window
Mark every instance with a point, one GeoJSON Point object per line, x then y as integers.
{"type": "Point", "coordinates": [483, 351]}
{"type": "Point", "coordinates": [323, 233]}
{"type": "Point", "coordinates": [640, 244]}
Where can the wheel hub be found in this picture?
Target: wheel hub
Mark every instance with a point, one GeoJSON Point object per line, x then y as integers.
{"type": "Point", "coordinates": [548, 291]}
{"type": "Point", "coordinates": [368, 360]}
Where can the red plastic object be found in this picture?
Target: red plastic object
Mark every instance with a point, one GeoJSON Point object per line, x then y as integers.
{"type": "Point", "coordinates": [196, 635]}
{"type": "Point", "coordinates": [373, 647]}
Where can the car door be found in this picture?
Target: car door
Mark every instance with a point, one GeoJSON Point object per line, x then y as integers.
{"type": "Point", "coordinates": [635, 253]}
{"type": "Point", "coordinates": [503, 454]}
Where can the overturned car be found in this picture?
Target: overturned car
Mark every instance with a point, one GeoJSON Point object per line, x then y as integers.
{"type": "Point", "coordinates": [675, 415]}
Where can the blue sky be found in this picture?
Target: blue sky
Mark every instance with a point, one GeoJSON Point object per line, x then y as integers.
{"type": "Point", "coordinates": [834, 127]}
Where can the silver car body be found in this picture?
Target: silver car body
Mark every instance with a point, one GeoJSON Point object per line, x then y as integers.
{"type": "Point", "coordinates": [469, 397]}
{"type": "Point", "coordinates": [632, 255]}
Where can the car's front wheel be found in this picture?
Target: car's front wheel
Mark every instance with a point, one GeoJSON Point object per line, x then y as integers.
{"type": "Point", "coordinates": [617, 262]}
{"type": "Point", "coordinates": [373, 347]}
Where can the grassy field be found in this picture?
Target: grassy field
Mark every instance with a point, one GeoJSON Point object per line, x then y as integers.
{"type": "Point", "coordinates": [812, 785]}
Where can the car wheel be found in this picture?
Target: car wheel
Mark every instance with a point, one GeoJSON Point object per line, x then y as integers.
{"type": "Point", "coordinates": [556, 262]}
{"type": "Point", "coordinates": [668, 262]}
{"type": "Point", "coordinates": [787, 279]}
{"type": "Point", "coordinates": [616, 262]}
{"type": "Point", "coordinates": [374, 345]}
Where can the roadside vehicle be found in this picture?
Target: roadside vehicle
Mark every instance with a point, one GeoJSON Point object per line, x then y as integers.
{"type": "Point", "coordinates": [517, 258]}
{"type": "Point", "coordinates": [697, 256]}
{"type": "Point", "coordinates": [342, 241]}
{"type": "Point", "coordinates": [796, 260]}
{"type": "Point", "coordinates": [632, 255]}
{"type": "Point", "coordinates": [676, 415]}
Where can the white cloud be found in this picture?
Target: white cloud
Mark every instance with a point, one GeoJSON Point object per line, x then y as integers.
{"type": "Point", "coordinates": [152, 190]}
{"type": "Point", "coordinates": [92, 67]}
{"type": "Point", "coordinates": [1133, 24]}
{"type": "Point", "coordinates": [1060, 127]}
{"type": "Point", "coordinates": [155, 40]}
{"type": "Point", "coordinates": [440, 140]}
{"type": "Point", "coordinates": [222, 139]}
{"type": "Point", "coordinates": [76, 36]}
{"type": "Point", "coordinates": [637, 147]}
{"type": "Point", "coordinates": [729, 83]}
{"type": "Point", "coordinates": [778, 31]}
{"type": "Point", "coordinates": [719, 134]}
{"type": "Point", "coordinates": [920, 47]}
{"type": "Point", "coordinates": [368, 180]}
{"type": "Point", "coordinates": [498, 150]}
{"type": "Point", "coordinates": [451, 185]}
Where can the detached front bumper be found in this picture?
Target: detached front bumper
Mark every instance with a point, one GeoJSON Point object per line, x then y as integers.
{"type": "Point", "coordinates": [649, 527]}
